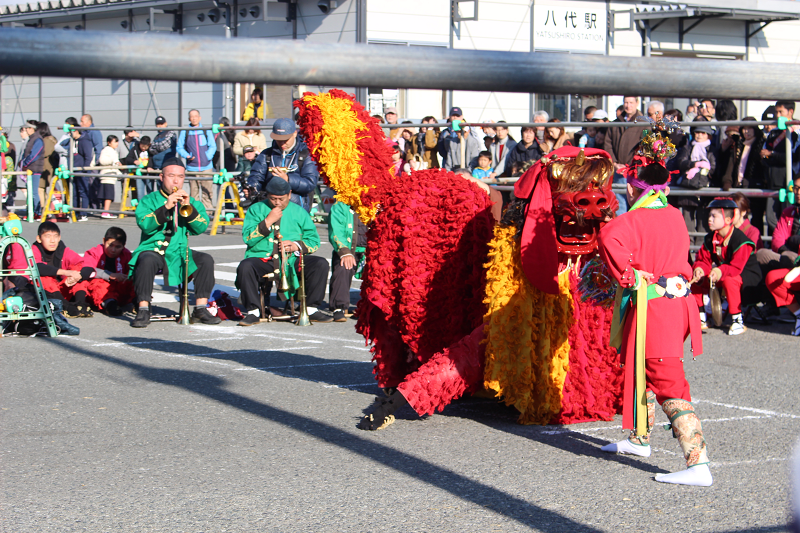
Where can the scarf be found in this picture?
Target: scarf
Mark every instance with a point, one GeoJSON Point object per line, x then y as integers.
{"type": "Point", "coordinates": [700, 150]}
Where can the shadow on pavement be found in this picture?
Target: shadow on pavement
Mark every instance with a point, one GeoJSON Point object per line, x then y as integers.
{"type": "Point", "coordinates": [460, 486]}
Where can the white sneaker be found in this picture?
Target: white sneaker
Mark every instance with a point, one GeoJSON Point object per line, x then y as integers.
{"type": "Point", "coordinates": [84, 218]}
{"type": "Point", "coordinates": [738, 327]}
{"type": "Point", "coordinates": [108, 215]}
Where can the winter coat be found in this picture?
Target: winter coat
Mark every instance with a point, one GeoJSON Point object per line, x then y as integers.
{"type": "Point", "coordinates": [197, 144]}
{"type": "Point", "coordinates": [33, 157]}
{"type": "Point", "coordinates": [500, 155]}
{"type": "Point", "coordinates": [163, 147]}
{"type": "Point", "coordinates": [302, 170]}
{"type": "Point", "coordinates": [520, 154]}
{"type": "Point", "coordinates": [257, 141]}
{"type": "Point", "coordinates": [621, 143]}
{"type": "Point", "coordinates": [450, 147]}
{"type": "Point", "coordinates": [109, 157]}
{"type": "Point", "coordinates": [730, 160]}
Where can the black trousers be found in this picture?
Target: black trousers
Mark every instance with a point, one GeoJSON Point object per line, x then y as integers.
{"type": "Point", "coordinates": [148, 264]}
{"type": "Point", "coordinates": [252, 269]}
{"type": "Point", "coordinates": [340, 282]}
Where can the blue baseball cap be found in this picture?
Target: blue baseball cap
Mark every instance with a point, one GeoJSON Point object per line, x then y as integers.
{"type": "Point", "coordinates": [283, 129]}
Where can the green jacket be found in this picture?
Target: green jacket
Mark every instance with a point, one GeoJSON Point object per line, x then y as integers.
{"type": "Point", "coordinates": [295, 225]}
{"type": "Point", "coordinates": [341, 228]}
{"type": "Point", "coordinates": [155, 221]}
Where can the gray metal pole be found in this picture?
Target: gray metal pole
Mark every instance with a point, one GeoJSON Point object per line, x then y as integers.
{"type": "Point", "coordinates": [32, 52]}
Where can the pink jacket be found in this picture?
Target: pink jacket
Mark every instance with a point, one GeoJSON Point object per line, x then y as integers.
{"type": "Point", "coordinates": [783, 230]}
{"type": "Point", "coordinates": [96, 258]}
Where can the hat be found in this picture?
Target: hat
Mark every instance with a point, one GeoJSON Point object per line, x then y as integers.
{"type": "Point", "coordinates": [390, 110]}
{"type": "Point", "coordinates": [29, 125]}
{"type": "Point", "coordinates": [723, 203]}
{"type": "Point", "coordinates": [455, 111]}
{"type": "Point", "coordinates": [248, 149]}
{"type": "Point", "coordinates": [160, 120]}
{"type": "Point", "coordinates": [703, 129]}
{"type": "Point", "coordinates": [599, 114]}
{"type": "Point", "coordinates": [283, 129]}
{"type": "Point", "coordinates": [177, 161]}
{"type": "Point", "coordinates": [769, 113]}
{"type": "Point", "coordinates": [278, 186]}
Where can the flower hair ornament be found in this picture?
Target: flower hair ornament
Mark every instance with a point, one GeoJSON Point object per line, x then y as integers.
{"type": "Point", "coordinates": [655, 147]}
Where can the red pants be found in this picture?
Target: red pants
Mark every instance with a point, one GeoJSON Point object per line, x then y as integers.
{"type": "Point", "coordinates": [784, 293]}
{"type": "Point", "coordinates": [666, 379]}
{"type": "Point", "coordinates": [53, 285]}
{"type": "Point", "coordinates": [101, 290]}
{"type": "Point", "coordinates": [732, 285]}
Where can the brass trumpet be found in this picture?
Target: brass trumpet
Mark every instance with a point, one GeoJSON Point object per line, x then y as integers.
{"type": "Point", "coordinates": [183, 315]}
{"type": "Point", "coordinates": [303, 319]}
{"type": "Point", "coordinates": [284, 286]}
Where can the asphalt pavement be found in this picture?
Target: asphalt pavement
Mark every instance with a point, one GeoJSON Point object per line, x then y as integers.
{"type": "Point", "coordinates": [229, 429]}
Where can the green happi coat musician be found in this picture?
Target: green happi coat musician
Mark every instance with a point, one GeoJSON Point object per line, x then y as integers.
{"type": "Point", "coordinates": [348, 236]}
{"type": "Point", "coordinates": [272, 229]}
{"type": "Point", "coordinates": [162, 246]}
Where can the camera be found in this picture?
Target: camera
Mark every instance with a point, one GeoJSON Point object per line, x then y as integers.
{"type": "Point", "coordinates": [327, 5]}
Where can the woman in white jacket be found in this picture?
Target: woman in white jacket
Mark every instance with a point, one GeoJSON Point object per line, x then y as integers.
{"type": "Point", "coordinates": [254, 138]}
{"type": "Point", "coordinates": [109, 157]}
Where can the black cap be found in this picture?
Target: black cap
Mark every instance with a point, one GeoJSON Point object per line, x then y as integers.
{"type": "Point", "coordinates": [248, 149]}
{"type": "Point", "coordinates": [160, 120]}
{"type": "Point", "coordinates": [278, 186]}
{"type": "Point", "coordinates": [723, 203]}
{"type": "Point", "coordinates": [769, 113]}
{"type": "Point", "coordinates": [455, 111]}
{"type": "Point", "coordinates": [173, 161]}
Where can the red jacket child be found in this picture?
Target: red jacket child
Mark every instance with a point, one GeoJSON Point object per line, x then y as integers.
{"type": "Point", "coordinates": [61, 269]}
{"type": "Point", "coordinates": [727, 258]}
{"type": "Point", "coordinates": [110, 289]}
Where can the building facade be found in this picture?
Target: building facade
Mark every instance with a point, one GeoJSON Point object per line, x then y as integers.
{"type": "Point", "coordinates": [736, 30]}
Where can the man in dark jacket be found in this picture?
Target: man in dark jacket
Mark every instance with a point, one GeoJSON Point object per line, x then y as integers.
{"type": "Point", "coordinates": [33, 160]}
{"type": "Point", "coordinates": [164, 144]}
{"type": "Point", "coordinates": [525, 150]}
{"type": "Point", "coordinates": [288, 158]}
{"type": "Point", "coordinates": [620, 143]}
{"type": "Point", "coordinates": [773, 155]}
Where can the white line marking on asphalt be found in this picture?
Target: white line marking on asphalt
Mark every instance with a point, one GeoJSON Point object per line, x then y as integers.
{"type": "Point", "coordinates": [306, 366]}
{"type": "Point", "coordinates": [227, 276]}
{"type": "Point", "coordinates": [751, 462]}
{"type": "Point", "coordinates": [355, 348]}
{"type": "Point", "coordinates": [350, 386]}
{"type": "Point", "coordinates": [274, 350]}
{"type": "Point", "coordinates": [751, 409]}
{"type": "Point", "coordinates": [229, 265]}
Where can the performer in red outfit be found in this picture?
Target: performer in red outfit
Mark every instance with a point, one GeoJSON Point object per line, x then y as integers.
{"type": "Point", "coordinates": [784, 284]}
{"type": "Point", "coordinates": [61, 269]}
{"type": "Point", "coordinates": [645, 250]}
{"type": "Point", "coordinates": [110, 289]}
{"type": "Point", "coordinates": [727, 258]}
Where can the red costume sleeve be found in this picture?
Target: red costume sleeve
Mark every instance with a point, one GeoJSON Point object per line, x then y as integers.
{"type": "Point", "coordinates": [71, 261]}
{"type": "Point", "coordinates": [783, 230]}
{"type": "Point", "coordinates": [93, 255]}
{"type": "Point", "coordinates": [703, 260]}
{"type": "Point", "coordinates": [617, 249]}
{"type": "Point", "coordinates": [739, 260]}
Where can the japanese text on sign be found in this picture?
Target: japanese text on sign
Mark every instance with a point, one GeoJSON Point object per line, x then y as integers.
{"type": "Point", "coordinates": [572, 26]}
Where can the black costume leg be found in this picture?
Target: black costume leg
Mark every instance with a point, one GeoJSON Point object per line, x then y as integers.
{"type": "Point", "coordinates": [248, 279]}
{"type": "Point", "coordinates": [315, 275]}
{"type": "Point", "coordinates": [204, 275]}
{"type": "Point", "coordinates": [144, 272]}
{"type": "Point", "coordinates": [340, 284]}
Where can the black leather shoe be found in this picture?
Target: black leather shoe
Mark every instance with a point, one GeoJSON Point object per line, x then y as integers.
{"type": "Point", "coordinates": [319, 316]}
{"type": "Point", "coordinates": [338, 316]}
{"type": "Point", "coordinates": [249, 320]}
{"type": "Point", "coordinates": [142, 319]}
{"type": "Point", "coordinates": [202, 315]}
{"type": "Point", "coordinates": [111, 308]}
